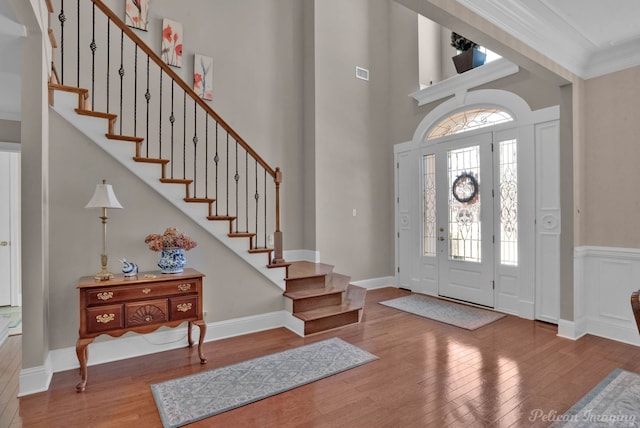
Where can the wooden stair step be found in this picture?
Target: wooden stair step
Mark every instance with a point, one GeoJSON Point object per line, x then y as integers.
{"type": "Point", "coordinates": [200, 200]}
{"type": "Point", "coordinates": [327, 318]}
{"type": "Point", "coordinates": [100, 114]}
{"type": "Point", "coordinates": [307, 269]}
{"type": "Point", "coordinates": [83, 94]}
{"type": "Point", "coordinates": [176, 180]}
{"type": "Point", "coordinates": [151, 160]}
{"type": "Point", "coordinates": [221, 218]}
{"type": "Point", "coordinates": [313, 292]}
{"type": "Point", "coordinates": [260, 250]}
{"type": "Point", "coordinates": [241, 235]}
{"type": "Point", "coordinates": [125, 138]}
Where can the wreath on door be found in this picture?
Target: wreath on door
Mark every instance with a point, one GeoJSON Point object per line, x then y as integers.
{"type": "Point", "coordinates": [465, 188]}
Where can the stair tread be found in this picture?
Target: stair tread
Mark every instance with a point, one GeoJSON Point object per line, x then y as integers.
{"type": "Point", "coordinates": [125, 138]}
{"type": "Point", "coordinates": [308, 269]}
{"type": "Point", "coordinates": [200, 200]}
{"type": "Point", "coordinates": [176, 180]}
{"type": "Point", "coordinates": [326, 312]}
{"type": "Point", "coordinates": [260, 250]}
{"type": "Point", "coordinates": [221, 217]}
{"type": "Point", "coordinates": [59, 87]}
{"type": "Point", "coordinates": [314, 292]}
{"type": "Point", "coordinates": [150, 160]}
{"type": "Point", "coordinates": [100, 114]}
{"type": "Point", "coordinates": [242, 235]}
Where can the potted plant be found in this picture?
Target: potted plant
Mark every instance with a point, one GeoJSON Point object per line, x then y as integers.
{"type": "Point", "coordinates": [469, 56]}
{"type": "Point", "coordinates": [172, 244]}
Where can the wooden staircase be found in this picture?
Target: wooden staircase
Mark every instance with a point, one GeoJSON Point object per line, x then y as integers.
{"type": "Point", "coordinates": [322, 299]}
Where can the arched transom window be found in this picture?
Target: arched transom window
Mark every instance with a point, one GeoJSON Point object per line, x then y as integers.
{"type": "Point", "coordinates": [468, 120]}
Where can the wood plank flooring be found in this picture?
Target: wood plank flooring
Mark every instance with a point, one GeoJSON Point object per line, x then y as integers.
{"type": "Point", "coordinates": [428, 374]}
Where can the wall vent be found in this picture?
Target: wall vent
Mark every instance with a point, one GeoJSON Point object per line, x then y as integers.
{"type": "Point", "coordinates": [362, 73]}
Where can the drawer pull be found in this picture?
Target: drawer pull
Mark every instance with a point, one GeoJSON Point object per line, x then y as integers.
{"type": "Point", "coordinates": [146, 290]}
{"type": "Point", "coordinates": [105, 319]}
{"type": "Point", "coordinates": [106, 295]}
{"type": "Point", "coordinates": [184, 287]}
{"type": "Point", "coordinates": [184, 307]}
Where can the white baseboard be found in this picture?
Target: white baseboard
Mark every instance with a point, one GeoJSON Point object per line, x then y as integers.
{"type": "Point", "coordinates": [372, 284]}
{"type": "Point", "coordinates": [35, 379]}
{"type": "Point", "coordinates": [302, 255]}
{"type": "Point", "coordinates": [568, 330]}
{"type": "Point", "coordinates": [106, 350]}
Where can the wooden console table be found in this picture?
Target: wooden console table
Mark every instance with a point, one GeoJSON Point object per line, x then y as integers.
{"type": "Point", "coordinates": [142, 304]}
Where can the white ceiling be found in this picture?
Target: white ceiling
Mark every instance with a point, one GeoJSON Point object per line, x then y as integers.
{"type": "Point", "coordinates": [588, 37]}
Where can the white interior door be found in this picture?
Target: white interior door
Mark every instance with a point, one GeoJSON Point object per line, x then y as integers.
{"type": "Point", "coordinates": [5, 229]}
{"type": "Point", "coordinates": [464, 188]}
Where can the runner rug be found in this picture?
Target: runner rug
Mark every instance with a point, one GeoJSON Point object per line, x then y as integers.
{"type": "Point", "coordinates": [614, 402]}
{"type": "Point", "coordinates": [464, 316]}
{"type": "Point", "coordinates": [192, 398]}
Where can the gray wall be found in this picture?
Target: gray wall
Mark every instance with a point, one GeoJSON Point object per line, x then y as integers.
{"type": "Point", "coordinates": [9, 131]}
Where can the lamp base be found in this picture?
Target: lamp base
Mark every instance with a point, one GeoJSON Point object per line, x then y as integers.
{"type": "Point", "coordinates": [103, 275]}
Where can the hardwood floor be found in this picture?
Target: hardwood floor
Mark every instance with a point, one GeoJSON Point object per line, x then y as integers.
{"type": "Point", "coordinates": [428, 374]}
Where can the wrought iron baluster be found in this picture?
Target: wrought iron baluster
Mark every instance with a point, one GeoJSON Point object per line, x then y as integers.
{"type": "Point", "coordinates": [93, 48]}
{"type": "Point", "coordinates": [121, 73]}
{"type": "Point", "coordinates": [195, 147]}
{"type": "Point", "coordinates": [265, 207]}
{"type": "Point", "coordinates": [256, 196]}
{"type": "Point", "coordinates": [135, 91]}
{"type": "Point", "coordinates": [62, 18]}
{"type": "Point", "coordinates": [78, 48]}
{"type": "Point", "coordinates": [184, 134]}
{"type": "Point", "coordinates": [216, 159]}
{"type": "Point", "coordinates": [206, 155]}
{"type": "Point", "coordinates": [172, 120]}
{"type": "Point", "coordinates": [246, 189]}
{"type": "Point", "coordinates": [147, 96]}
{"type": "Point", "coordinates": [236, 177]}
{"type": "Point", "coordinates": [160, 119]}
{"type": "Point", "coordinates": [108, 59]}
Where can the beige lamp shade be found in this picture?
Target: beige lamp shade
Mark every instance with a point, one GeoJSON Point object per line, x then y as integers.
{"type": "Point", "coordinates": [103, 197]}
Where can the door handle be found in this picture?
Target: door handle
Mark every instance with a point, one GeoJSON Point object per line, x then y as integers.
{"type": "Point", "coordinates": [4, 244]}
{"type": "Point", "coordinates": [441, 238]}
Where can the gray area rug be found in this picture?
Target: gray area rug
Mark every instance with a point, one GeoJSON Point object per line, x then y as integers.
{"type": "Point", "coordinates": [614, 402]}
{"type": "Point", "coordinates": [192, 398]}
{"type": "Point", "coordinates": [464, 316]}
{"type": "Point", "coordinates": [14, 314]}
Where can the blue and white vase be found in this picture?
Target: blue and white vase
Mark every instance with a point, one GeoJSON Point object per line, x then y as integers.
{"type": "Point", "coordinates": [172, 260]}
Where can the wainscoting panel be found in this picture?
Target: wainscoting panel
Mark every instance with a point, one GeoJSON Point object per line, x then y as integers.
{"type": "Point", "coordinates": [609, 277]}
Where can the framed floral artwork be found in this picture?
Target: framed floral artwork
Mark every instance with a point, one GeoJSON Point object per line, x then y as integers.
{"type": "Point", "coordinates": [203, 76]}
{"type": "Point", "coordinates": [171, 50]}
{"type": "Point", "coordinates": [137, 14]}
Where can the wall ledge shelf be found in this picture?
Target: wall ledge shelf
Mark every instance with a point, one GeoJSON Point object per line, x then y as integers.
{"type": "Point", "coordinates": [461, 83]}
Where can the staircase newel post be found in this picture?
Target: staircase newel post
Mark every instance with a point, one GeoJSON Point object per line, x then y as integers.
{"type": "Point", "coordinates": [277, 236]}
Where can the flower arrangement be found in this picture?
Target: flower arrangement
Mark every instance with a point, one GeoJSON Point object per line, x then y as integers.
{"type": "Point", "coordinates": [171, 238]}
{"type": "Point", "coordinates": [461, 43]}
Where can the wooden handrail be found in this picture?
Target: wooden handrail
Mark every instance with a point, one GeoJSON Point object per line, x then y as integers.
{"type": "Point", "coordinates": [155, 58]}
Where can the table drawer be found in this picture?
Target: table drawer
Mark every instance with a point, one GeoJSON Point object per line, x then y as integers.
{"type": "Point", "coordinates": [140, 291]}
{"type": "Point", "coordinates": [147, 312]}
{"type": "Point", "coordinates": [183, 308]}
{"type": "Point", "coordinates": [104, 318]}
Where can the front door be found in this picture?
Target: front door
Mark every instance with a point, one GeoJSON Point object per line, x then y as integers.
{"type": "Point", "coordinates": [464, 219]}
{"type": "Point", "coordinates": [5, 229]}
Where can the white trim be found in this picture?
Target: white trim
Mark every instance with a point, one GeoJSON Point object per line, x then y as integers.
{"type": "Point", "coordinates": [36, 379]}
{"type": "Point", "coordinates": [605, 277]}
{"type": "Point", "coordinates": [302, 255]}
{"type": "Point", "coordinates": [15, 225]}
{"type": "Point", "coordinates": [373, 283]}
{"type": "Point", "coordinates": [116, 349]}
{"type": "Point", "coordinates": [568, 330]}
{"type": "Point", "coordinates": [461, 83]}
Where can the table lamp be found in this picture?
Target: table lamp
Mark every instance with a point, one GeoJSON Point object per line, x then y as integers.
{"type": "Point", "coordinates": [104, 198]}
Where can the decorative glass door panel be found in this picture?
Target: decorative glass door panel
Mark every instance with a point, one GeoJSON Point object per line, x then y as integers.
{"type": "Point", "coordinates": [464, 181]}
{"type": "Point", "coordinates": [465, 227]}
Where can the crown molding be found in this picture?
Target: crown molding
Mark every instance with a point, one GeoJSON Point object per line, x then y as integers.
{"type": "Point", "coordinates": [463, 82]}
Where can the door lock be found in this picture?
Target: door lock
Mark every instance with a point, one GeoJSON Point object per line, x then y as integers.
{"type": "Point", "coordinates": [441, 238]}
{"type": "Point", "coordinates": [4, 244]}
